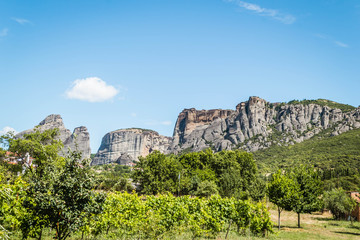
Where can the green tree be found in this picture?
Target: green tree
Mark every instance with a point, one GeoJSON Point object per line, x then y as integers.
{"type": "Point", "coordinates": [58, 192]}
{"type": "Point", "coordinates": [62, 201]}
{"type": "Point", "coordinates": [206, 189]}
{"type": "Point", "coordinates": [282, 191]}
{"type": "Point", "coordinates": [157, 173]}
{"type": "Point", "coordinates": [309, 190]}
{"type": "Point", "coordinates": [338, 202]}
{"type": "Point", "coordinates": [258, 189]}
{"type": "Point", "coordinates": [42, 146]}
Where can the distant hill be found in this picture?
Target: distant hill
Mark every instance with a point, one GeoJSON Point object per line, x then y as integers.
{"type": "Point", "coordinates": [337, 157]}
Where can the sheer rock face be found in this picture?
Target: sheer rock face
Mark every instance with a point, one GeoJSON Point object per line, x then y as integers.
{"type": "Point", "coordinates": [80, 136]}
{"type": "Point", "coordinates": [125, 146]}
{"type": "Point", "coordinates": [257, 124]}
{"type": "Point", "coordinates": [252, 125]}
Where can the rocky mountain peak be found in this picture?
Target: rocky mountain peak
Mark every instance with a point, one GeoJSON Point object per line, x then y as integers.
{"type": "Point", "coordinates": [54, 120]}
{"type": "Point", "coordinates": [78, 140]}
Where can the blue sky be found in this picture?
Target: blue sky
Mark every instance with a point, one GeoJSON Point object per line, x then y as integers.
{"type": "Point", "coordinates": [138, 63]}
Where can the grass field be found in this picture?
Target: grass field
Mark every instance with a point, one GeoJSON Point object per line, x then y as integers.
{"type": "Point", "coordinates": [314, 226]}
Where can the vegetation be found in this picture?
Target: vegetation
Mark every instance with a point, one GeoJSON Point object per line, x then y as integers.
{"type": "Point", "coordinates": [112, 177]}
{"type": "Point", "coordinates": [58, 193]}
{"type": "Point", "coordinates": [308, 191]}
{"type": "Point", "coordinates": [199, 173]}
{"type": "Point", "coordinates": [194, 195]}
{"type": "Point", "coordinates": [339, 203]}
{"type": "Point", "coordinates": [298, 190]}
{"type": "Point", "coordinates": [314, 226]}
{"type": "Point", "coordinates": [336, 158]}
{"type": "Point", "coordinates": [55, 192]}
{"type": "Point", "coordinates": [325, 102]}
{"type": "Point", "coordinates": [62, 202]}
{"type": "Point", "coordinates": [282, 191]}
{"type": "Point", "coordinates": [128, 216]}
{"type": "Point", "coordinates": [141, 129]}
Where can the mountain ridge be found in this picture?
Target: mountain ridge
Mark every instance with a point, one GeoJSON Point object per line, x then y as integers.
{"type": "Point", "coordinates": [254, 124]}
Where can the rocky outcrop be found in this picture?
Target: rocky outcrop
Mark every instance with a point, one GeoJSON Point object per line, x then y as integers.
{"type": "Point", "coordinates": [79, 139]}
{"type": "Point", "coordinates": [252, 125]}
{"type": "Point", "coordinates": [126, 145]}
{"type": "Point", "coordinates": [257, 124]}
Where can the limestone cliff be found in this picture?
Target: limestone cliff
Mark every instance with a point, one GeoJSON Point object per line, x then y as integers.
{"type": "Point", "coordinates": [252, 125]}
{"type": "Point", "coordinates": [257, 124]}
{"type": "Point", "coordinates": [79, 139]}
{"type": "Point", "coordinates": [126, 145]}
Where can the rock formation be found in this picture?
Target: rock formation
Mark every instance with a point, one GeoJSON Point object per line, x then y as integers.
{"type": "Point", "coordinates": [258, 124]}
{"type": "Point", "coordinates": [79, 139]}
{"type": "Point", "coordinates": [253, 125]}
{"type": "Point", "coordinates": [126, 145]}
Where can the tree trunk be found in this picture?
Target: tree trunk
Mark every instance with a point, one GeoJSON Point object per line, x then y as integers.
{"type": "Point", "coordinates": [227, 232]}
{"type": "Point", "coordinates": [298, 220]}
{"type": "Point", "coordinates": [40, 234]}
{"type": "Point", "coordinates": [279, 211]}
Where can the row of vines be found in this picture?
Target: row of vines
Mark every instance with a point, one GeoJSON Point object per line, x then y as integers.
{"type": "Point", "coordinates": [128, 215]}
{"type": "Point", "coordinates": [132, 216]}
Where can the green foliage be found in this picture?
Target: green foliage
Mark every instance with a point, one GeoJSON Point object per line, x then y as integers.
{"type": "Point", "coordinates": [309, 189]}
{"type": "Point", "coordinates": [112, 177]}
{"type": "Point", "coordinates": [62, 203]}
{"type": "Point", "coordinates": [258, 189]}
{"type": "Point", "coordinates": [155, 217]}
{"type": "Point", "coordinates": [231, 173]}
{"type": "Point", "coordinates": [40, 145]}
{"type": "Point", "coordinates": [55, 192]}
{"type": "Point", "coordinates": [338, 202]}
{"type": "Point", "coordinates": [157, 173]}
{"type": "Point", "coordinates": [283, 192]}
{"type": "Point", "coordinates": [336, 158]}
{"type": "Point", "coordinates": [325, 102]}
{"type": "Point", "coordinates": [11, 209]}
{"type": "Point", "coordinates": [206, 188]}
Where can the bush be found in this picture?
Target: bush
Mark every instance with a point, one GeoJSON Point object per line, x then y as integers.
{"type": "Point", "coordinates": [339, 203]}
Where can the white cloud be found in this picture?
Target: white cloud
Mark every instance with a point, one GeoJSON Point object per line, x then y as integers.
{"type": "Point", "coordinates": [273, 13]}
{"type": "Point", "coordinates": [21, 21]}
{"type": "Point", "coordinates": [7, 129]}
{"type": "Point", "coordinates": [4, 32]}
{"type": "Point", "coordinates": [91, 89]}
{"type": "Point", "coordinates": [329, 38]}
{"type": "Point", "coordinates": [133, 114]}
{"type": "Point", "coordinates": [341, 44]}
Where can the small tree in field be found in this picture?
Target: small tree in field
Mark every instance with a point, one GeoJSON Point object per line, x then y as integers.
{"type": "Point", "coordinates": [339, 203]}
{"type": "Point", "coordinates": [282, 191]}
{"type": "Point", "coordinates": [309, 190]}
{"type": "Point", "coordinates": [63, 201]}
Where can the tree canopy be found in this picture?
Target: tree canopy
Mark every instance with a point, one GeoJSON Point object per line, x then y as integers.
{"type": "Point", "coordinates": [231, 173]}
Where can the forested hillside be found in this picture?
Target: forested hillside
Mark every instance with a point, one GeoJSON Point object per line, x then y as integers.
{"type": "Point", "coordinates": [337, 157]}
